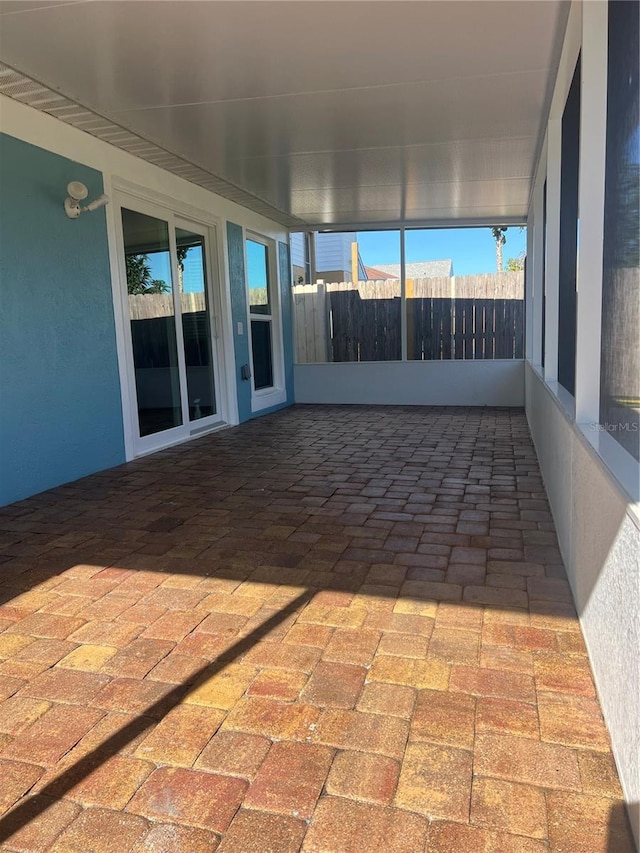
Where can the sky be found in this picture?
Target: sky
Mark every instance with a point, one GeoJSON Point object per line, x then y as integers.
{"type": "Point", "coordinates": [472, 250]}
{"type": "Point", "coordinates": [192, 275]}
{"type": "Point", "coordinates": [257, 265]}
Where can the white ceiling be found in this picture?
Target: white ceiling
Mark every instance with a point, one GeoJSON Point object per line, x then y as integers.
{"type": "Point", "coordinates": [331, 113]}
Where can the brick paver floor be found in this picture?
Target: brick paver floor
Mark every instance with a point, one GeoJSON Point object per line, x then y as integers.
{"type": "Point", "coordinates": [331, 630]}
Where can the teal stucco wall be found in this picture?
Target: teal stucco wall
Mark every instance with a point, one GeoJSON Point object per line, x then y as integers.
{"type": "Point", "coordinates": [237, 283]}
{"type": "Point", "coordinates": [239, 315]}
{"type": "Point", "coordinates": [60, 405]}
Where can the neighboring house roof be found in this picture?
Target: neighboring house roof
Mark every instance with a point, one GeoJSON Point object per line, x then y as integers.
{"type": "Point", "coordinates": [376, 274]}
{"type": "Point", "coordinates": [419, 269]}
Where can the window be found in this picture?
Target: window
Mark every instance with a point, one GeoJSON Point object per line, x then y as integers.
{"type": "Point", "coordinates": [393, 295]}
{"type": "Point", "coordinates": [567, 295]}
{"type": "Point", "coordinates": [353, 312]}
{"type": "Point", "coordinates": [300, 244]}
{"type": "Point", "coordinates": [455, 307]}
{"type": "Point", "coordinates": [620, 341]}
{"type": "Point", "coordinates": [266, 358]}
{"type": "Point", "coordinates": [364, 312]}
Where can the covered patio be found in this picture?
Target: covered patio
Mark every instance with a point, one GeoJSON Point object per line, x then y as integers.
{"type": "Point", "coordinates": [319, 527]}
{"type": "Point", "coordinates": [332, 629]}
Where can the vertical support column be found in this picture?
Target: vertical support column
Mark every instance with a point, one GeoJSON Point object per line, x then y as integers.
{"type": "Point", "coordinates": [311, 236]}
{"type": "Point", "coordinates": [535, 271]}
{"type": "Point", "coordinates": [403, 299]}
{"type": "Point", "coordinates": [286, 316]}
{"type": "Point", "coordinates": [529, 291]}
{"type": "Point", "coordinates": [554, 163]}
{"type": "Point", "coordinates": [593, 133]}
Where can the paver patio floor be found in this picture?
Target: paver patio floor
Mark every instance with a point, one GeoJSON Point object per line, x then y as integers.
{"type": "Point", "coordinates": [333, 629]}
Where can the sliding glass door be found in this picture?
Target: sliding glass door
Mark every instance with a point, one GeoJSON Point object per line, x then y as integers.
{"type": "Point", "coordinates": [171, 314]}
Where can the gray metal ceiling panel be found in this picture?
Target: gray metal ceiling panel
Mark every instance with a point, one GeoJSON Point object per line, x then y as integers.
{"type": "Point", "coordinates": [306, 109]}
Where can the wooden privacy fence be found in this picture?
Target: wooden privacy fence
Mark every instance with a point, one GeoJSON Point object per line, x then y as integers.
{"type": "Point", "coordinates": [469, 317]}
{"type": "Point", "coordinates": [364, 329]}
{"type": "Point", "coordinates": [465, 328]}
{"type": "Point", "coordinates": [146, 306]}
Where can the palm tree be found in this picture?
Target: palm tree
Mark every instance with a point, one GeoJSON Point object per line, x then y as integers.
{"type": "Point", "coordinates": [139, 279]}
{"type": "Point", "coordinates": [498, 232]}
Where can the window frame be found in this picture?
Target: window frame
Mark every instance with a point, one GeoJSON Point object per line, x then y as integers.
{"type": "Point", "coordinates": [273, 395]}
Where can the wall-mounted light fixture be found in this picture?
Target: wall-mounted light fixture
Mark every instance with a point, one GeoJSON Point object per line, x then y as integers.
{"type": "Point", "coordinates": [77, 192]}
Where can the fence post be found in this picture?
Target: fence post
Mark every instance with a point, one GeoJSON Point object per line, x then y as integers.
{"type": "Point", "coordinates": [324, 312]}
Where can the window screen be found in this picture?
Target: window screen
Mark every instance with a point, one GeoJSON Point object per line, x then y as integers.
{"type": "Point", "coordinates": [620, 342]}
{"type": "Point", "coordinates": [569, 170]}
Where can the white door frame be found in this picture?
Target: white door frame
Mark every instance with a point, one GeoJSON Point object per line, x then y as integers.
{"type": "Point", "coordinates": [200, 222]}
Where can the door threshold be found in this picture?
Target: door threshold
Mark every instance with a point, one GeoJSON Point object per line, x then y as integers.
{"type": "Point", "coordinates": [195, 433]}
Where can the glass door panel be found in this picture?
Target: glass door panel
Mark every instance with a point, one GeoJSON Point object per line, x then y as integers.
{"type": "Point", "coordinates": [153, 324]}
{"type": "Point", "coordinates": [196, 324]}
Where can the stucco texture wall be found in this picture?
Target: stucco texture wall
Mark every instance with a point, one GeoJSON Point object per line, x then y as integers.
{"type": "Point", "coordinates": [600, 544]}
{"type": "Point", "coordinates": [60, 406]}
